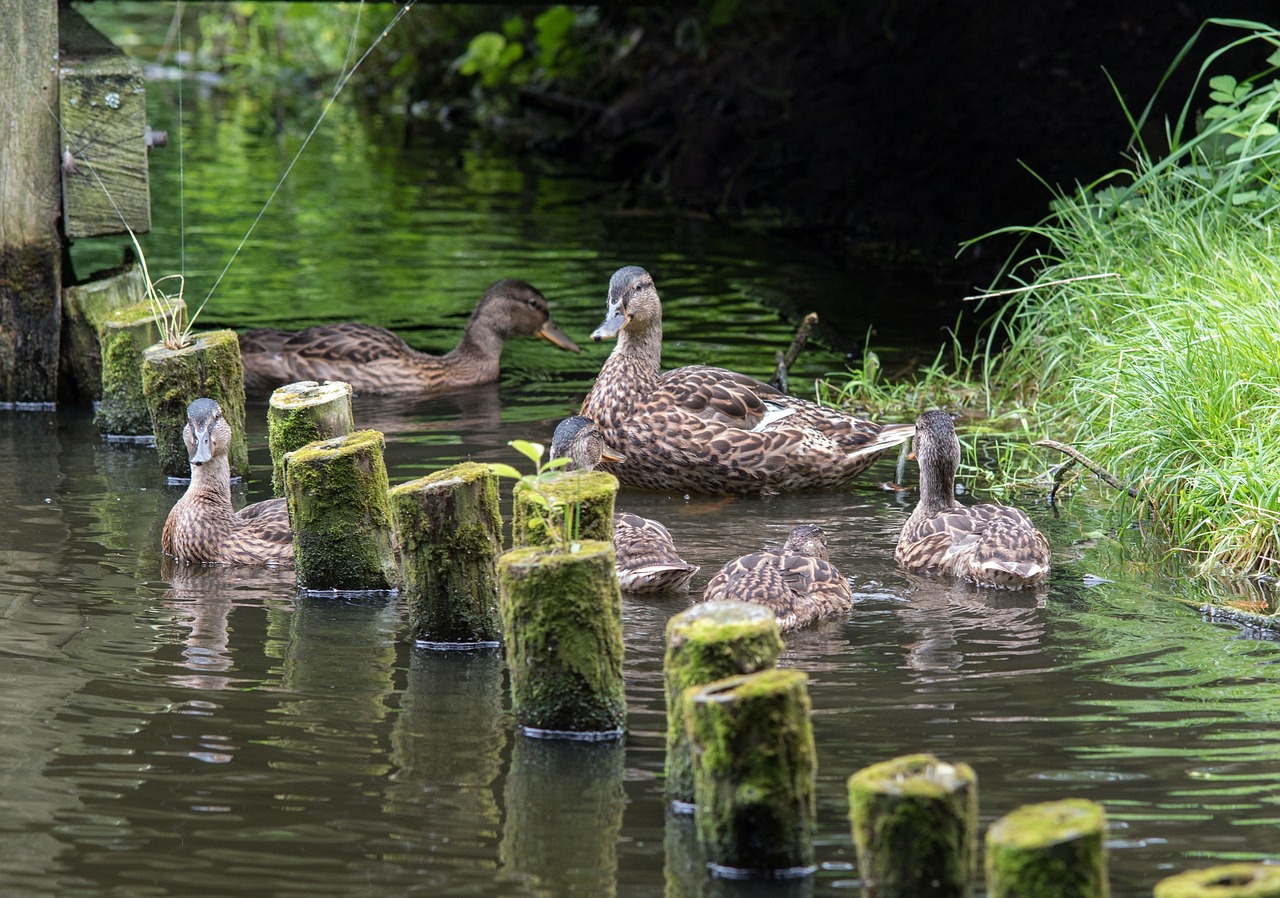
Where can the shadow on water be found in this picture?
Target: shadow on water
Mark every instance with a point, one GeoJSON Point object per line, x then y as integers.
{"type": "Point", "coordinates": [167, 727]}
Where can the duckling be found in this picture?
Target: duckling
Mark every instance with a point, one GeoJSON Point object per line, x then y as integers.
{"type": "Point", "coordinates": [798, 581]}
{"type": "Point", "coordinates": [708, 430]}
{"type": "Point", "coordinates": [646, 553]}
{"type": "Point", "coordinates": [202, 528]}
{"type": "Point", "coordinates": [989, 544]}
{"type": "Point", "coordinates": [374, 360]}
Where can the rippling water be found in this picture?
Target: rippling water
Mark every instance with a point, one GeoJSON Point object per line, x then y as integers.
{"type": "Point", "coordinates": [211, 733]}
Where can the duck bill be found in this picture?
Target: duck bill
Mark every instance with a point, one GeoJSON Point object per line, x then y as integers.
{"type": "Point", "coordinates": [608, 454]}
{"type": "Point", "coordinates": [612, 325]}
{"type": "Point", "coordinates": [204, 448]}
{"type": "Point", "coordinates": [550, 331]}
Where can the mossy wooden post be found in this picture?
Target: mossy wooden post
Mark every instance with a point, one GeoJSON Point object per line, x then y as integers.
{"type": "Point", "coordinates": [302, 413]}
{"type": "Point", "coordinates": [341, 518]}
{"type": "Point", "coordinates": [754, 771]}
{"type": "Point", "coordinates": [562, 625]}
{"type": "Point", "coordinates": [592, 493]}
{"type": "Point", "coordinates": [915, 827]}
{"type": "Point", "coordinates": [85, 305]}
{"type": "Point", "coordinates": [1051, 850]}
{"type": "Point", "coordinates": [124, 337]}
{"type": "Point", "coordinates": [1241, 880]}
{"type": "Point", "coordinates": [450, 534]}
{"type": "Point", "coordinates": [173, 378]}
{"type": "Point", "coordinates": [709, 641]}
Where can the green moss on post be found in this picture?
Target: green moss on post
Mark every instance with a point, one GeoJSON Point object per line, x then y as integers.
{"type": "Point", "coordinates": [341, 518]}
{"type": "Point", "coordinates": [592, 493]}
{"type": "Point", "coordinates": [754, 771]}
{"type": "Point", "coordinates": [124, 336]}
{"type": "Point", "coordinates": [302, 413]}
{"type": "Point", "coordinates": [562, 624]}
{"type": "Point", "coordinates": [710, 641]}
{"type": "Point", "coordinates": [450, 534]}
{"type": "Point", "coordinates": [172, 378]}
{"type": "Point", "coordinates": [1224, 881]}
{"type": "Point", "coordinates": [915, 827]}
{"type": "Point", "coordinates": [85, 306]}
{"type": "Point", "coordinates": [1050, 850]}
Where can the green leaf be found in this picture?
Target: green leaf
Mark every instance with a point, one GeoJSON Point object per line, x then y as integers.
{"type": "Point", "coordinates": [531, 451]}
{"type": "Point", "coordinates": [502, 470]}
{"type": "Point", "coordinates": [557, 463]}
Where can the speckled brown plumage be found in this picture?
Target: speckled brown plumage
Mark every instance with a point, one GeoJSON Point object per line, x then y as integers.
{"type": "Point", "coordinates": [203, 527]}
{"type": "Point", "coordinates": [797, 581]}
{"type": "Point", "coordinates": [646, 554]}
{"type": "Point", "coordinates": [988, 544]}
{"type": "Point", "coordinates": [709, 430]}
{"type": "Point", "coordinates": [374, 360]}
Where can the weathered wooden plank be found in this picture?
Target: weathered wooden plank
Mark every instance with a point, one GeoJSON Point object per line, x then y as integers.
{"type": "Point", "coordinates": [102, 106]}
{"type": "Point", "coordinates": [30, 251]}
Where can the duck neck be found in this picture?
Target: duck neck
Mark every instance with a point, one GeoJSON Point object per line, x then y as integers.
{"type": "Point", "coordinates": [479, 350]}
{"type": "Point", "coordinates": [937, 488]}
{"type": "Point", "coordinates": [211, 485]}
{"type": "Point", "coordinates": [642, 350]}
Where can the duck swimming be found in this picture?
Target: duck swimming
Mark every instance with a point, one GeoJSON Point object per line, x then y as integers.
{"type": "Point", "coordinates": [646, 553]}
{"type": "Point", "coordinates": [708, 430]}
{"type": "Point", "coordinates": [988, 544]}
{"type": "Point", "coordinates": [797, 581]}
{"type": "Point", "coordinates": [374, 360]}
{"type": "Point", "coordinates": [202, 527]}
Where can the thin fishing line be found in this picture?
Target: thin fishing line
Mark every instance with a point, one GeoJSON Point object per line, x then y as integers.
{"type": "Point", "coordinates": [182, 174]}
{"type": "Point", "coordinates": [342, 81]}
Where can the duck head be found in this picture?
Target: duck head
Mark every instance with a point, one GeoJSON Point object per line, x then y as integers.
{"type": "Point", "coordinates": [632, 298]}
{"type": "Point", "coordinates": [207, 434]}
{"type": "Point", "coordinates": [515, 308]}
{"type": "Point", "coordinates": [807, 539]}
{"type": "Point", "coordinates": [580, 439]}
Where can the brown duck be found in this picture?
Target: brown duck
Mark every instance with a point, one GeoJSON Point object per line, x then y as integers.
{"type": "Point", "coordinates": [646, 553]}
{"type": "Point", "coordinates": [202, 527]}
{"type": "Point", "coordinates": [988, 544]}
{"type": "Point", "coordinates": [708, 430]}
{"type": "Point", "coordinates": [374, 360]}
{"type": "Point", "coordinates": [797, 581]}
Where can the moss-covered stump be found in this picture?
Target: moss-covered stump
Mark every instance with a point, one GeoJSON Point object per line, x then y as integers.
{"type": "Point", "coordinates": [84, 307]}
{"type": "Point", "coordinates": [302, 413]}
{"type": "Point", "coordinates": [1224, 881]}
{"type": "Point", "coordinates": [1050, 850]}
{"type": "Point", "coordinates": [172, 378]}
{"type": "Point", "coordinates": [341, 517]}
{"type": "Point", "coordinates": [562, 625]}
{"type": "Point", "coordinates": [588, 495]}
{"type": "Point", "coordinates": [124, 337]}
{"type": "Point", "coordinates": [450, 534]}
{"type": "Point", "coordinates": [915, 827]}
{"type": "Point", "coordinates": [710, 641]}
{"type": "Point", "coordinates": [754, 771]}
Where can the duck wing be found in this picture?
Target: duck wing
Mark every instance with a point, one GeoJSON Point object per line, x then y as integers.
{"type": "Point", "coordinates": [992, 545]}
{"type": "Point", "coordinates": [261, 534]}
{"type": "Point", "coordinates": [647, 557]}
{"type": "Point", "coordinates": [273, 357]}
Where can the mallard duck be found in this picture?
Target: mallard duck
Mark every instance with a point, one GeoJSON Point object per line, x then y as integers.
{"type": "Point", "coordinates": [797, 581]}
{"type": "Point", "coordinates": [202, 527]}
{"type": "Point", "coordinates": [708, 430]}
{"type": "Point", "coordinates": [989, 544]}
{"type": "Point", "coordinates": [374, 360]}
{"type": "Point", "coordinates": [646, 553]}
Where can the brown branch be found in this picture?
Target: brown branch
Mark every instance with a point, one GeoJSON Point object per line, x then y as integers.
{"type": "Point", "coordinates": [784, 361]}
{"type": "Point", "coordinates": [1077, 456]}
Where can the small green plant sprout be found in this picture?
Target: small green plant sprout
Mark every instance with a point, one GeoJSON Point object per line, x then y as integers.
{"type": "Point", "coordinates": [169, 308]}
{"type": "Point", "coordinates": [559, 519]}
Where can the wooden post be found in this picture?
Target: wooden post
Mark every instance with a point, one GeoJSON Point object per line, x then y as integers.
{"type": "Point", "coordinates": [30, 248]}
{"type": "Point", "coordinates": [591, 493]}
{"type": "Point", "coordinates": [342, 536]}
{"type": "Point", "coordinates": [85, 306]}
{"type": "Point", "coordinates": [450, 534]}
{"type": "Point", "coordinates": [915, 827]}
{"type": "Point", "coordinates": [173, 378]}
{"type": "Point", "coordinates": [562, 624]}
{"type": "Point", "coordinates": [707, 642]}
{"type": "Point", "coordinates": [1224, 881]}
{"type": "Point", "coordinates": [1049, 850]}
{"type": "Point", "coordinates": [302, 413]}
{"type": "Point", "coordinates": [754, 770]}
{"type": "Point", "coordinates": [124, 337]}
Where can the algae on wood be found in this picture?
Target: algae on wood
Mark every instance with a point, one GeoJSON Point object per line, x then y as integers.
{"type": "Point", "coordinates": [1056, 849]}
{"type": "Point", "coordinates": [562, 625]}
{"type": "Point", "coordinates": [1242, 880]}
{"type": "Point", "coordinates": [915, 827]}
{"type": "Point", "coordinates": [589, 497]}
{"type": "Point", "coordinates": [302, 413]}
{"type": "Point", "coordinates": [124, 337]}
{"type": "Point", "coordinates": [172, 379]}
{"type": "Point", "coordinates": [341, 518]}
{"type": "Point", "coordinates": [85, 306]}
{"type": "Point", "coordinates": [449, 530]}
{"type": "Point", "coordinates": [707, 642]}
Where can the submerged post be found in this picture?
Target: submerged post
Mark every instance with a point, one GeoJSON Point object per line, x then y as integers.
{"type": "Point", "coordinates": [1224, 881]}
{"type": "Point", "coordinates": [915, 827]}
{"type": "Point", "coordinates": [450, 534]}
{"type": "Point", "coordinates": [709, 641]}
{"type": "Point", "coordinates": [342, 535]}
{"type": "Point", "coordinates": [1049, 850]}
{"type": "Point", "coordinates": [589, 495]}
{"type": "Point", "coordinates": [754, 771]}
{"type": "Point", "coordinates": [302, 413]}
{"type": "Point", "coordinates": [562, 625]}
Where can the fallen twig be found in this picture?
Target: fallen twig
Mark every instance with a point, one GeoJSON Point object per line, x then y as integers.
{"type": "Point", "coordinates": [784, 360]}
{"type": "Point", "coordinates": [1078, 457]}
